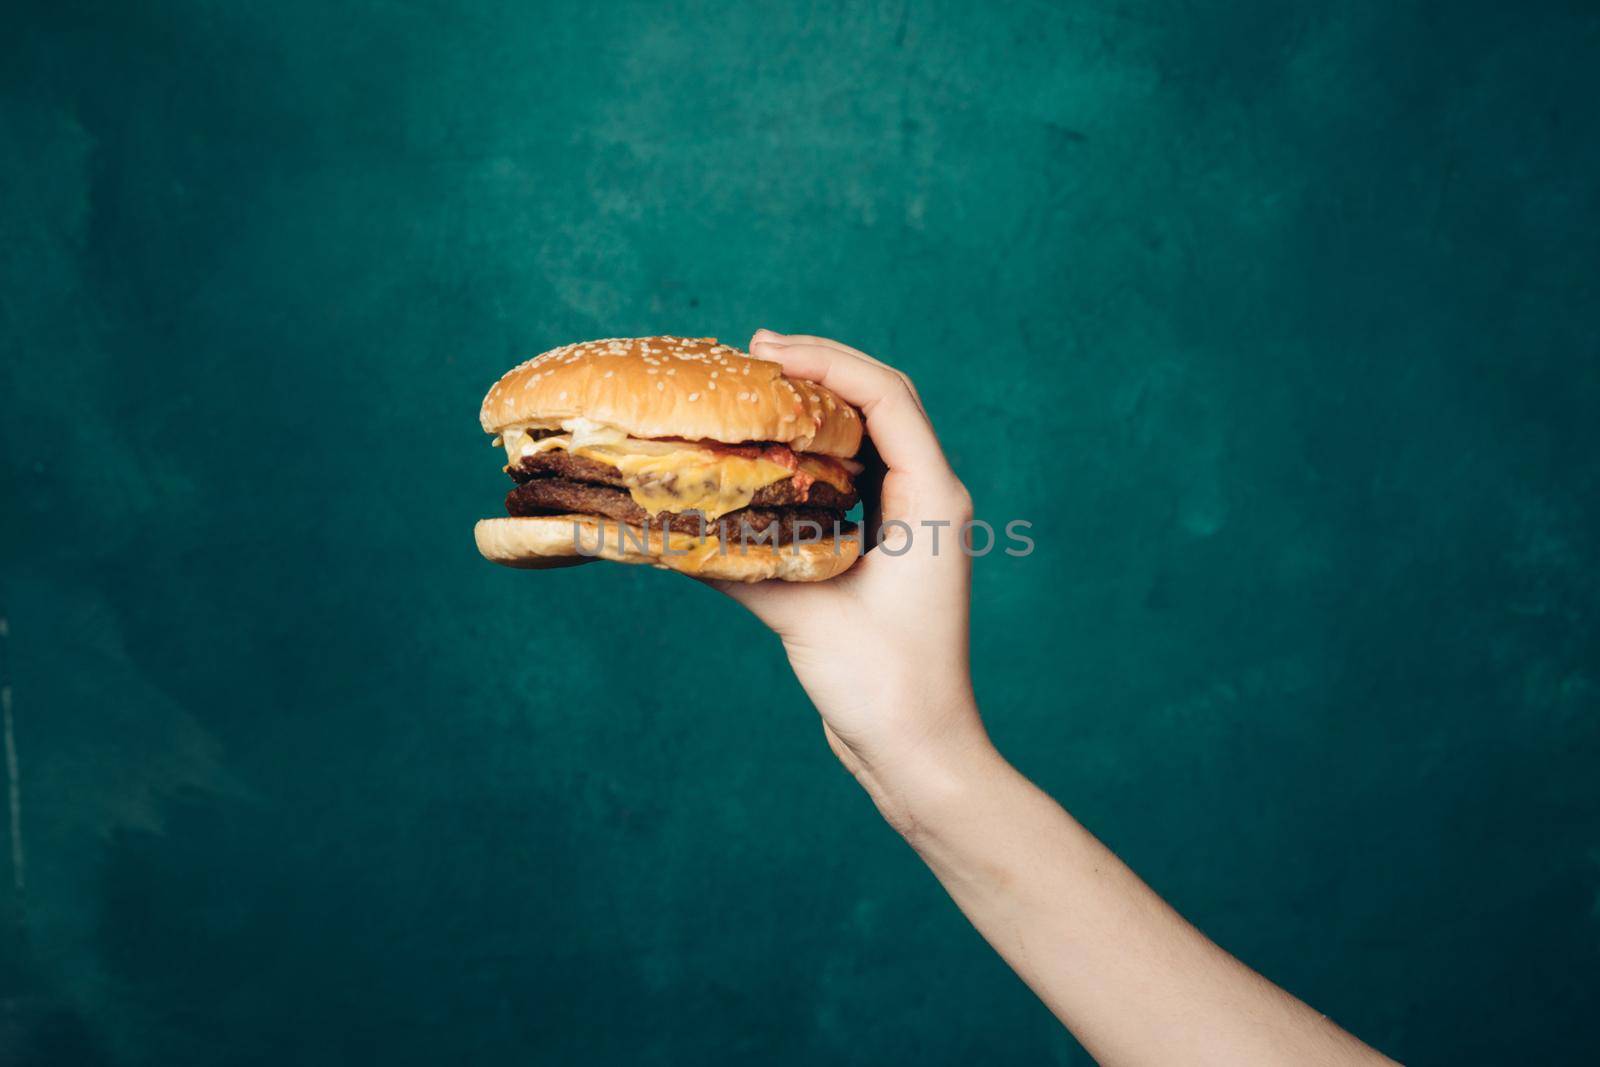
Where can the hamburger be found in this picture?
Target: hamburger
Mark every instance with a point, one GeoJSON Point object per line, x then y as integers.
{"type": "Point", "coordinates": [673, 451]}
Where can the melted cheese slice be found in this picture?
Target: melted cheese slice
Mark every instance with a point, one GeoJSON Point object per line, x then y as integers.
{"type": "Point", "coordinates": [690, 479]}
{"type": "Point", "coordinates": [665, 475]}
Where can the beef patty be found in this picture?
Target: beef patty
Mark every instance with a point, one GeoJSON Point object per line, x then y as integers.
{"type": "Point", "coordinates": [559, 463]}
{"type": "Point", "coordinates": [751, 525]}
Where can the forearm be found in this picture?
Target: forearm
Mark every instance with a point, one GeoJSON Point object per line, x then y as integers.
{"type": "Point", "coordinates": [1134, 982]}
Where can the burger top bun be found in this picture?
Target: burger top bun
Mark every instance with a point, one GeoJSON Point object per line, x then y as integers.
{"type": "Point", "coordinates": [689, 387]}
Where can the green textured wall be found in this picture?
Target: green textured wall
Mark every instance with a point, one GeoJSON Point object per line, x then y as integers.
{"type": "Point", "coordinates": [1278, 321]}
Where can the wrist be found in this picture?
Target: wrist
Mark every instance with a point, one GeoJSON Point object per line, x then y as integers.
{"type": "Point", "coordinates": [930, 783]}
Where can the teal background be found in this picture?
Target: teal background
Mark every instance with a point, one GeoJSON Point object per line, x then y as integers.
{"type": "Point", "coordinates": [1278, 321]}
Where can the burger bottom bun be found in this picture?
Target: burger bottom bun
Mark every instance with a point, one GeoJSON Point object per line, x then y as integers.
{"type": "Point", "coordinates": [564, 540]}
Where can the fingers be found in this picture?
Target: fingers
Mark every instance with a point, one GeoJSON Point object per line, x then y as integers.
{"type": "Point", "coordinates": [900, 429]}
{"type": "Point", "coordinates": [828, 342]}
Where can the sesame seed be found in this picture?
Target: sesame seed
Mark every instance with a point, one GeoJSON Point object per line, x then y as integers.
{"type": "Point", "coordinates": [661, 385]}
{"type": "Point", "coordinates": [694, 396]}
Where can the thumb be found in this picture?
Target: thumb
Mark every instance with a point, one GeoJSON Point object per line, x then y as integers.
{"type": "Point", "coordinates": [781, 605]}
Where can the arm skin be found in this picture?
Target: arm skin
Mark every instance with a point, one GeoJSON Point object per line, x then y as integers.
{"type": "Point", "coordinates": [882, 652]}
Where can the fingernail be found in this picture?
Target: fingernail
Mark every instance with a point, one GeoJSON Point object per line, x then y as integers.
{"type": "Point", "coordinates": [771, 337]}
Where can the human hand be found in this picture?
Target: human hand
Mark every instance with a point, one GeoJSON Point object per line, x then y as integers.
{"type": "Point", "coordinates": [882, 650]}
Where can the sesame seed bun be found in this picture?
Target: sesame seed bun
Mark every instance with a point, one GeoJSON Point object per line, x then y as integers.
{"type": "Point", "coordinates": [689, 387]}
{"type": "Point", "coordinates": [555, 540]}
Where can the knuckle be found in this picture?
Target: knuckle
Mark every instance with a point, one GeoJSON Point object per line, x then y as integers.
{"type": "Point", "coordinates": [906, 392]}
{"type": "Point", "coordinates": [960, 499]}
{"type": "Point", "coordinates": [896, 394]}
